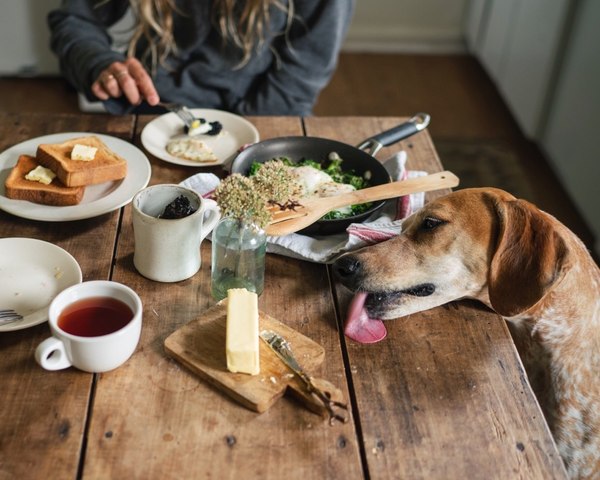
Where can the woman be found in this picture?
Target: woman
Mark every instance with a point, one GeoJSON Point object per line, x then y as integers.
{"type": "Point", "coordinates": [249, 57]}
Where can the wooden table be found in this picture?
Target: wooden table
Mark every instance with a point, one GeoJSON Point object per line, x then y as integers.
{"type": "Point", "coordinates": [443, 396]}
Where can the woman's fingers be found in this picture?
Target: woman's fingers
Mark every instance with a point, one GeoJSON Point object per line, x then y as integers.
{"type": "Point", "coordinates": [127, 78]}
{"type": "Point", "coordinates": [143, 82]}
{"type": "Point", "coordinates": [128, 86]}
{"type": "Point", "coordinates": [105, 86]}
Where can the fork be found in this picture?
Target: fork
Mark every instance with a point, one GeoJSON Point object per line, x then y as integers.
{"type": "Point", "coordinates": [181, 111]}
{"type": "Point", "coordinates": [8, 316]}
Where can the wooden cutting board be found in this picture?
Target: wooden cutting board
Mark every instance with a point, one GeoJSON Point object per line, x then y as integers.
{"type": "Point", "coordinates": [200, 346]}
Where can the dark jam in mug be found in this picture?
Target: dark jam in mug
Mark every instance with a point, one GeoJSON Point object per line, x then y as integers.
{"type": "Point", "coordinates": [178, 208]}
{"type": "Point", "coordinates": [94, 316]}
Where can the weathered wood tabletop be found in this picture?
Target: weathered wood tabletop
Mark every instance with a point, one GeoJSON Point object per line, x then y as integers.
{"type": "Point", "coordinates": [443, 396]}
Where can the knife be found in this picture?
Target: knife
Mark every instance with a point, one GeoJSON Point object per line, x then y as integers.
{"type": "Point", "coordinates": [281, 347]}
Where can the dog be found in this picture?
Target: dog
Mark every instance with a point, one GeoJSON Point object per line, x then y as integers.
{"type": "Point", "coordinates": [485, 244]}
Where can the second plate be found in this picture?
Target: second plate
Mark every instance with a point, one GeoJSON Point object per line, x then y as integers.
{"type": "Point", "coordinates": [237, 132]}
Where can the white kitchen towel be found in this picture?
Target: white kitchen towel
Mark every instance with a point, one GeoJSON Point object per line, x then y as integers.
{"type": "Point", "coordinates": [383, 224]}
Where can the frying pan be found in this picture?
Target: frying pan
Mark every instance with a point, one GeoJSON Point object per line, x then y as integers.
{"type": "Point", "coordinates": [360, 159]}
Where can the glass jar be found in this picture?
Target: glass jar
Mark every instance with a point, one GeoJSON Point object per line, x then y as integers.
{"type": "Point", "coordinates": [238, 257]}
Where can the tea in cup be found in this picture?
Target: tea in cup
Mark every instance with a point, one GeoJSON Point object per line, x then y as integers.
{"type": "Point", "coordinates": [167, 248]}
{"type": "Point", "coordinates": [95, 327]}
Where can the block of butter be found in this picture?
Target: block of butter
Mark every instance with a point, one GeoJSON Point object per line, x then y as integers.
{"type": "Point", "coordinates": [83, 152]}
{"type": "Point", "coordinates": [242, 332]}
{"type": "Point", "coordinates": [41, 174]}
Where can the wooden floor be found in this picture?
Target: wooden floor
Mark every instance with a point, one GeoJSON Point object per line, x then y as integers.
{"type": "Point", "coordinates": [454, 89]}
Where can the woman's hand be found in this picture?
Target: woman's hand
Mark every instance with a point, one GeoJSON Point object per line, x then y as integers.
{"type": "Point", "coordinates": [127, 78]}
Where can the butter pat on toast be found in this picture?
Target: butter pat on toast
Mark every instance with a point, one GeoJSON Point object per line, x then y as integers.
{"type": "Point", "coordinates": [55, 193]}
{"type": "Point", "coordinates": [105, 166]}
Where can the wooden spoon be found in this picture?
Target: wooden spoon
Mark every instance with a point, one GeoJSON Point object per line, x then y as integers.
{"type": "Point", "coordinates": [312, 209]}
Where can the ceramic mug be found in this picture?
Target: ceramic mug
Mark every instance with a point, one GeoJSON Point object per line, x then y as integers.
{"type": "Point", "coordinates": [168, 250]}
{"type": "Point", "coordinates": [95, 327]}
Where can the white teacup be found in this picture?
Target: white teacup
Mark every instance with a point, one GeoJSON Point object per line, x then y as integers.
{"type": "Point", "coordinates": [168, 250]}
{"type": "Point", "coordinates": [93, 341]}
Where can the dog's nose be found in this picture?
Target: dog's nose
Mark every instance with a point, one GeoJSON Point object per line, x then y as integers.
{"type": "Point", "coordinates": [347, 267]}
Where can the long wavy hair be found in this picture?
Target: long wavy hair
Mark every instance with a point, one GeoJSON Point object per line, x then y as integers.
{"type": "Point", "coordinates": [246, 29]}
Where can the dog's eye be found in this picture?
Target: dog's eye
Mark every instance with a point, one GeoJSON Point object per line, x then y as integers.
{"type": "Point", "coordinates": [429, 223]}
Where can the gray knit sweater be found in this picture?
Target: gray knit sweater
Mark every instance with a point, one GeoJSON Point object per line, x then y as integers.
{"type": "Point", "coordinates": [284, 77]}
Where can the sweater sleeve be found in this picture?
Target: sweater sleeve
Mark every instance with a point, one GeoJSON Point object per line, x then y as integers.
{"type": "Point", "coordinates": [80, 39]}
{"type": "Point", "coordinates": [305, 61]}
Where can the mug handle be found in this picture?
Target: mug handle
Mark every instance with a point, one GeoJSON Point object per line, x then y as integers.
{"type": "Point", "coordinates": [212, 215]}
{"type": "Point", "coordinates": [51, 354]}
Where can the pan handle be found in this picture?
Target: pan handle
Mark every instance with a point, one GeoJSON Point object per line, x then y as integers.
{"type": "Point", "coordinates": [418, 122]}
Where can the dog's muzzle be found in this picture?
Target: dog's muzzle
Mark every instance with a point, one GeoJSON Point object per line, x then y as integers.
{"type": "Point", "coordinates": [349, 270]}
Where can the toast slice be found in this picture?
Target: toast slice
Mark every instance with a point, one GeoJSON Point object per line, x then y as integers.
{"type": "Point", "coordinates": [105, 166]}
{"type": "Point", "coordinates": [56, 194]}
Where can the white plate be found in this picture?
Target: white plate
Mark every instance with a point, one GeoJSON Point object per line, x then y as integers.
{"type": "Point", "coordinates": [97, 199]}
{"type": "Point", "coordinates": [32, 273]}
{"type": "Point", "coordinates": [236, 133]}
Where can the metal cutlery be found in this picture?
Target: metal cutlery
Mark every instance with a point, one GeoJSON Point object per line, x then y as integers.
{"type": "Point", "coordinates": [282, 349]}
{"type": "Point", "coordinates": [181, 111]}
{"type": "Point", "coordinates": [8, 316]}
{"type": "Point", "coordinates": [193, 125]}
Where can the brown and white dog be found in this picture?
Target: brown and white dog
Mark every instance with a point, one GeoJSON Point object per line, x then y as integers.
{"type": "Point", "coordinates": [523, 263]}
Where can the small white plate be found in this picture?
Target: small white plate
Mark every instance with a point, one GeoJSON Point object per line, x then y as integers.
{"type": "Point", "coordinates": [32, 273]}
{"type": "Point", "coordinates": [97, 199]}
{"type": "Point", "coordinates": [236, 133]}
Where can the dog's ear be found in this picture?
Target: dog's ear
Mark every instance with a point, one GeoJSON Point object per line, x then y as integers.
{"type": "Point", "coordinates": [528, 259]}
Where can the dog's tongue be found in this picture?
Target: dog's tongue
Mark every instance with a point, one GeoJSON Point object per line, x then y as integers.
{"type": "Point", "coordinates": [359, 326]}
